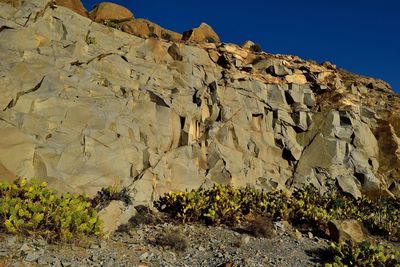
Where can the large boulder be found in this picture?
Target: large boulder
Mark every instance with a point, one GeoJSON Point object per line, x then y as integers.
{"type": "Point", "coordinates": [145, 29]}
{"type": "Point", "coordinates": [203, 34]}
{"type": "Point", "coordinates": [346, 230]}
{"type": "Point", "coordinates": [107, 11]}
{"type": "Point", "coordinates": [75, 5]}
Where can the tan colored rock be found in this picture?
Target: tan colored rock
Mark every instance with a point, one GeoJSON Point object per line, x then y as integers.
{"type": "Point", "coordinates": [107, 11]}
{"type": "Point", "coordinates": [114, 215]}
{"type": "Point", "coordinates": [236, 51]}
{"type": "Point", "coordinates": [296, 79]}
{"type": "Point", "coordinates": [14, 3]}
{"type": "Point", "coordinates": [248, 44]}
{"type": "Point", "coordinates": [16, 154]}
{"type": "Point", "coordinates": [214, 55]}
{"type": "Point", "coordinates": [75, 5]}
{"type": "Point", "coordinates": [344, 230]}
{"type": "Point", "coordinates": [146, 29]}
{"type": "Point", "coordinates": [85, 107]}
{"type": "Point", "coordinates": [203, 34]}
{"type": "Point", "coordinates": [175, 52]}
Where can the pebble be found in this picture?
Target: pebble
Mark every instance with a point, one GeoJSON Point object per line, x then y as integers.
{"type": "Point", "coordinates": [32, 256]}
{"type": "Point", "coordinates": [144, 256]}
{"type": "Point", "coordinates": [3, 252]}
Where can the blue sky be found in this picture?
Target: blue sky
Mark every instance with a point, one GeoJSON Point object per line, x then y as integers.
{"type": "Point", "coordinates": [360, 36]}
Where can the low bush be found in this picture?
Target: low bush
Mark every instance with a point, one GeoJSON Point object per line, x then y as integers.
{"type": "Point", "coordinates": [306, 206]}
{"type": "Point", "coordinates": [31, 208]}
{"type": "Point", "coordinates": [173, 239]}
{"type": "Point", "coordinates": [223, 204]}
{"type": "Point", "coordinates": [256, 48]}
{"type": "Point", "coordinates": [108, 194]}
{"type": "Point", "coordinates": [363, 254]}
{"type": "Point", "coordinates": [261, 227]}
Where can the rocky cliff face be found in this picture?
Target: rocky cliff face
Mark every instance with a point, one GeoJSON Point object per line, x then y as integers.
{"type": "Point", "coordinates": [84, 105]}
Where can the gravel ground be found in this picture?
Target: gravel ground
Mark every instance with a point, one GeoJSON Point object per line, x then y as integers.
{"type": "Point", "coordinates": [168, 244]}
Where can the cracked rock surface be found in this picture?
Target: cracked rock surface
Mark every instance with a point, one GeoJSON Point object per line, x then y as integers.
{"type": "Point", "coordinates": [85, 106]}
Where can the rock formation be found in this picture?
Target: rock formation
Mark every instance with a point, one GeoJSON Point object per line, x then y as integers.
{"type": "Point", "coordinates": [84, 106]}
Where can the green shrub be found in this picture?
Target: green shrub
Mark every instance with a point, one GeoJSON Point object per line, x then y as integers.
{"type": "Point", "coordinates": [363, 254]}
{"type": "Point", "coordinates": [256, 48]}
{"type": "Point", "coordinates": [307, 206]}
{"type": "Point", "coordinates": [223, 204]}
{"type": "Point", "coordinates": [30, 208]}
{"type": "Point", "coordinates": [108, 194]}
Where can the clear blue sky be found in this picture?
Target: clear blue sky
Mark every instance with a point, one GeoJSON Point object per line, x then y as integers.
{"type": "Point", "coordinates": [360, 36]}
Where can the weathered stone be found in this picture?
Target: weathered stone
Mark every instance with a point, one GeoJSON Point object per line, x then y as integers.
{"type": "Point", "coordinates": [296, 79]}
{"type": "Point", "coordinates": [174, 52]}
{"type": "Point", "coordinates": [107, 11]}
{"type": "Point", "coordinates": [14, 3]}
{"type": "Point", "coordinates": [273, 66]}
{"type": "Point", "coordinates": [146, 29]}
{"type": "Point", "coordinates": [203, 34]}
{"type": "Point", "coordinates": [351, 230]}
{"type": "Point", "coordinates": [84, 107]}
{"type": "Point", "coordinates": [248, 44]}
{"type": "Point", "coordinates": [75, 5]}
{"type": "Point", "coordinates": [114, 215]}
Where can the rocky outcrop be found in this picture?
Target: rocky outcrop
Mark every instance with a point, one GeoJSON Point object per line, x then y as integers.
{"type": "Point", "coordinates": [146, 29]}
{"type": "Point", "coordinates": [85, 106]}
{"type": "Point", "coordinates": [203, 34]}
{"type": "Point", "coordinates": [110, 12]}
{"type": "Point", "coordinates": [75, 5]}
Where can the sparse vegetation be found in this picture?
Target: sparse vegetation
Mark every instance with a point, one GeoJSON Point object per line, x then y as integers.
{"type": "Point", "coordinates": [261, 227]}
{"type": "Point", "coordinates": [30, 208]}
{"type": "Point", "coordinates": [112, 24]}
{"type": "Point", "coordinates": [173, 239]}
{"type": "Point", "coordinates": [256, 48]}
{"type": "Point", "coordinates": [210, 40]}
{"type": "Point", "coordinates": [108, 194]}
{"type": "Point", "coordinates": [363, 254]}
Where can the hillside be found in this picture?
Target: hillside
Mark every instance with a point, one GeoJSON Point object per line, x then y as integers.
{"type": "Point", "coordinates": [97, 99]}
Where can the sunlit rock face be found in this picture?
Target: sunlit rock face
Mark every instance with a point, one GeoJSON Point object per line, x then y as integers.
{"type": "Point", "coordinates": [84, 106]}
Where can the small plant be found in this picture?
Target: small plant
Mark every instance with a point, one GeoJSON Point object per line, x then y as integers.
{"type": "Point", "coordinates": [256, 48]}
{"type": "Point", "coordinates": [210, 40]}
{"type": "Point", "coordinates": [363, 254]}
{"type": "Point", "coordinates": [30, 208]}
{"type": "Point", "coordinates": [90, 39]}
{"type": "Point", "coordinates": [108, 194]}
{"type": "Point", "coordinates": [112, 24]}
{"type": "Point", "coordinates": [173, 239]}
{"type": "Point", "coordinates": [166, 36]}
{"type": "Point", "coordinates": [261, 227]}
